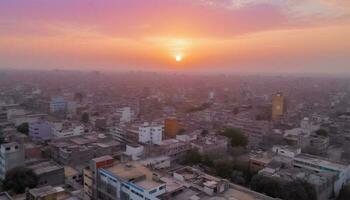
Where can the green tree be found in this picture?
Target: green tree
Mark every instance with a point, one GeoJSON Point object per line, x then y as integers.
{"type": "Point", "coordinates": [23, 128]}
{"type": "Point", "coordinates": [224, 169]}
{"type": "Point", "coordinates": [85, 118]}
{"type": "Point", "coordinates": [299, 190]}
{"type": "Point", "coordinates": [270, 186]}
{"type": "Point", "coordinates": [19, 178]}
{"type": "Point", "coordinates": [238, 139]}
{"type": "Point", "coordinates": [322, 132]}
{"type": "Point", "coordinates": [192, 157]}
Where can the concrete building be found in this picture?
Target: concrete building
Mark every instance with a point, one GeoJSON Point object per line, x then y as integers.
{"type": "Point", "coordinates": [321, 182]}
{"type": "Point", "coordinates": [253, 129]}
{"type": "Point", "coordinates": [278, 106]}
{"type": "Point", "coordinates": [48, 172]}
{"type": "Point", "coordinates": [80, 150]}
{"type": "Point", "coordinates": [62, 130]}
{"type": "Point", "coordinates": [151, 134]}
{"type": "Point", "coordinates": [171, 127]}
{"type": "Point", "coordinates": [41, 130]}
{"type": "Point", "coordinates": [90, 174]}
{"type": "Point", "coordinates": [173, 148]}
{"type": "Point", "coordinates": [58, 104]}
{"type": "Point", "coordinates": [47, 192]}
{"type": "Point", "coordinates": [135, 152]}
{"type": "Point", "coordinates": [125, 114]}
{"type": "Point", "coordinates": [319, 164]}
{"type": "Point", "coordinates": [11, 156]}
{"type": "Point", "coordinates": [211, 145]}
{"type": "Point", "coordinates": [128, 181]}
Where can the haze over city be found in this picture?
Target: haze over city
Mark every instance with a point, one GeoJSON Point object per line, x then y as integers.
{"type": "Point", "coordinates": [174, 100]}
{"type": "Point", "coordinates": [269, 36]}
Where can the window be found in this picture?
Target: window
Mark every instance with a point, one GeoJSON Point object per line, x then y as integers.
{"type": "Point", "coordinates": [153, 191]}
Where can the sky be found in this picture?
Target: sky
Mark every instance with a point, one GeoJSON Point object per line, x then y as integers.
{"type": "Point", "coordinates": [259, 36]}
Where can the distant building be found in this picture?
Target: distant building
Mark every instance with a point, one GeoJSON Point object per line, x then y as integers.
{"type": "Point", "coordinates": [58, 104]}
{"type": "Point", "coordinates": [212, 145]}
{"type": "Point", "coordinates": [171, 127]}
{"type": "Point", "coordinates": [11, 156]}
{"type": "Point", "coordinates": [125, 114]}
{"type": "Point", "coordinates": [41, 130]}
{"type": "Point", "coordinates": [173, 148]}
{"type": "Point", "coordinates": [151, 134]}
{"type": "Point", "coordinates": [278, 106]}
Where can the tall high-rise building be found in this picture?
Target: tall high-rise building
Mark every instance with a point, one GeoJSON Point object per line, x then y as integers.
{"type": "Point", "coordinates": [171, 127]}
{"type": "Point", "coordinates": [278, 106]}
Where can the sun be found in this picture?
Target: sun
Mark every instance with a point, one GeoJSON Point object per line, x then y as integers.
{"type": "Point", "coordinates": [178, 58]}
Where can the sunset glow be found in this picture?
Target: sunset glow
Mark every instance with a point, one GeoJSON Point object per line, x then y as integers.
{"type": "Point", "coordinates": [250, 36]}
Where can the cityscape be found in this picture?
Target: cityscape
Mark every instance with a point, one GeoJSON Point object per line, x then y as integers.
{"type": "Point", "coordinates": [174, 100]}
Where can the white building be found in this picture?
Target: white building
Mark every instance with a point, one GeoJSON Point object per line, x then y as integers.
{"type": "Point", "coordinates": [135, 152]}
{"type": "Point", "coordinates": [151, 134]}
{"type": "Point", "coordinates": [58, 104]}
{"type": "Point", "coordinates": [11, 156]}
{"type": "Point", "coordinates": [286, 151]}
{"type": "Point", "coordinates": [125, 114]}
{"type": "Point", "coordinates": [60, 131]}
{"type": "Point", "coordinates": [128, 181]}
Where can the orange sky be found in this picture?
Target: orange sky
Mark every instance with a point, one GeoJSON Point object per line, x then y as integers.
{"type": "Point", "coordinates": [221, 35]}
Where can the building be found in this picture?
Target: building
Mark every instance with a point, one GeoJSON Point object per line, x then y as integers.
{"type": "Point", "coordinates": [135, 152]}
{"type": "Point", "coordinates": [320, 165]}
{"type": "Point", "coordinates": [80, 150]}
{"type": "Point", "coordinates": [47, 192]}
{"type": "Point", "coordinates": [321, 182]}
{"type": "Point", "coordinates": [90, 174]}
{"type": "Point", "coordinates": [11, 156]}
{"type": "Point", "coordinates": [58, 104]}
{"type": "Point", "coordinates": [171, 127]}
{"type": "Point", "coordinates": [278, 106]}
{"type": "Point", "coordinates": [255, 130]}
{"type": "Point", "coordinates": [211, 145]}
{"type": "Point", "coordinates": [48, 172]}
{"type": "Point", "coordinates": [173, 148]}
{"type": "Point", "coordinates": [41, 130]}
{"type": "Point", "coordinates": [150, 134]}
{"type": "Point", "coordinates": [62, 130]}
{"type": "Point", "coordinates": [128, 181]}
{"type": "Point", "coordinates": [125, 114]}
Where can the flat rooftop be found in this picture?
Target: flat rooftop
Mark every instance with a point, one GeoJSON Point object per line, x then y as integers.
{"type": "Point", "coordinates": [135, 173]}
{"type": "Point", "coordinates": [320, 161]}
{"type": "Point", "coordinates": [45, 167]}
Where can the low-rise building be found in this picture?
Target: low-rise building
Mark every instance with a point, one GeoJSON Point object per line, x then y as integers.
{"type": "Point", "coordinates": [11, 156]}
{"type": "Point", "coordinates": [48, 172]}
{"type": "Point", "coordinates": [151, 134]}
{"type": "Point", "coordinates": [128, 181]}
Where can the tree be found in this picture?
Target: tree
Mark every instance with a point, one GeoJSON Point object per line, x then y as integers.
{"type": "Point", "coordinates": [192, 157]}
{"type": "Point", "coordinates": [322, 132]}
{"type": "Point", "coordinates": [237, 138]}
{"type": "Point", "coordinates": [23, 128]}
{"type": "Point", "coordinates": [85, 118]}
{"type": "Point", "coordinates": [267, 185]}
{"type": "Point", "coordinates": [299, 190]}
{"type": "Point", "coordinates": [19, 178]}
{"type": "Point", "coordinates": [224, 169]}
